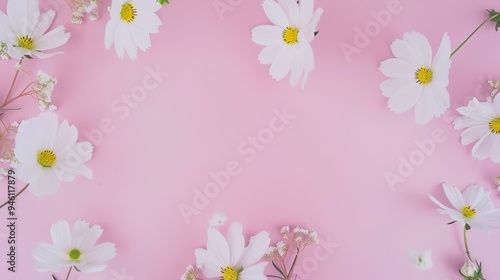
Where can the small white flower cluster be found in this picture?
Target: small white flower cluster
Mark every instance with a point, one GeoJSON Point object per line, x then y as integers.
{"type": "Point", "coordinates": [43, 87]}
{"type": "Point", "coordinates": [191, 273]}
{"type": "Point", "coordinates": [495, 84]}
{"type": "Point", "coordinates": [7, 149]}
{"type": "Point", "coordinates": [218, 219]}
{"type": "Point", "coordinates": [3, 51]}
{"type": "Point", "coordinates": [302, 237]}
{"type": "Point", "coordinates": [83, 7]}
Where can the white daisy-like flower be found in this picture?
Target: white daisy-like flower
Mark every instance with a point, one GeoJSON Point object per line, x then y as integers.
{"type": "Point", "coordinates": [73, 247]}
{"type": "Point", "coordinates": [130, 25]}
{"type": "Point", "coordinates": [472, 207]}
{"type": "Point", "coordinates": [481, 121]}
{"type": "Point", "coordinates": [24, 30]}
{"type": "Point", "coordinates": [416, 80]}
{"type": "Point", "coordinates": [230, 259]}
{"type": "Point", "coordinates": [48, 153]}
{"type": "Point", "coordinates": [421, 261]}
{"type": "Point", "coordinates": [217, 219]}
{"type": "Point", "coordinates": [288, 41]}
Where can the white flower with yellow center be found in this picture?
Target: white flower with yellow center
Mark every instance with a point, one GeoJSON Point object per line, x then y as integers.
{"type": "Point", "coordinates": [130, 25]}
{"type": "Point", "coordinates": [481, 121]}
{"type": "Point", "coordinates": [415, 79]}
{"type": "Point", "coordinates": [48, 153]}
{"type": "Point", "coordinates": [24, 30]}
{"type": "Point", "coordinates": [73, 248]}
{"type": "Point", "coordinates": [231, 260]}
{"type": "Point", "coordinates": [288, 41]}
{"type": "Point", "coordinates": [472, 207]}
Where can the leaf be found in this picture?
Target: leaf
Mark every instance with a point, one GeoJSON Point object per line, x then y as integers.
{"type": "Point", "coordinates": [278, 269]}
{"type": "Point", "coordinates": [467, 227]}
{"type": "Point", "coordinates": [163, 2]}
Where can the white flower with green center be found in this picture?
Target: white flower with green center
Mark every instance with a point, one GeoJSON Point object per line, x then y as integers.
{"type": "Point", "coordinates": [416, 80]}
{"type": "Point", "coordinates": [481, 121]}
{"type": "Point", "coordinates": [230, 259]}
{"type": "Point", "coordinates": [24, 30]}
{"type": "Point", "coordinates": [48, 153]}
{"type": "Point", "coordinates": [130, 25]}
{"type": "Point", "coordinates": [73, 248]}
{"type": "Point", "coordinates": [472, 207]}
{"type": "Point", "coordinates": [288, 41]}
{"type": "Point", "coordinates": [421, 261]}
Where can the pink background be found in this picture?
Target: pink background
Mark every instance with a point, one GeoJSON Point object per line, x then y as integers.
{"type": "Point", "coordinates": [324, 170]}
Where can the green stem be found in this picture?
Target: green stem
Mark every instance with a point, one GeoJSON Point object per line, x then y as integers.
{"type": "Point", "coordinates": [25, 187]}
{"type": "Point", "coordinates": [474, 32]}
{"type": "Point", "coordinates": [67, 277]}
{"type": "Point", "coordinates": [466, 245]}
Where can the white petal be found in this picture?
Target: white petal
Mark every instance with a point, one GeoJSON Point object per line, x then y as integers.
{"type": "Point", "coordinates": [484, 147]}
{"type": "Point", "coordinates": [401, 49]}
{"type": "Point", "coordinates": [43, 24]}
{"type": "Point", "coordinates": [110, 33]}
{"type": "Point", "coordinates": [306, 11]}
{"type": "Point", "coordinates": [97, 256]}
{"type": "Point", "coordinates": [269, 53]}
{"type": "Point", "coordinates": [425, 109]}
{"type": "Point", "coordinates": [282, 64]}
{"type": "Point", "coordinates": [141, 39]}
{"type": "Point", "coordinates": [218, 248]}
{"type": "Point", "coordinates": [61, 235]}
{"type": "Point", "coordinates": [49, 258]}
{"type": "Point", "coordinates": [397, 68]}
{"type": "Point", "coordinates": [442, 63]}
{"type": "Point", "coordinates": [48, 183]}
{"type": "Point", "coordinates": [393, 86]}
{"type": "Point", "coordinates": [291, 10]}
{"type": "Point", "coordinates": [236, 243]}
{"type": "Point", "coordinates": [211, 269]}
{"type": "Point", "coordinates": [255, 272]}
{"type": "Point", "coordinates": [405, 98]}
{"type": "Point", "coordinates": [454, 196]}
{"type": "Point", "coordinates": [298, 65]}
{"type": "Point", "coordinates": [309, 29]}
{"type": "Point", "coordinates": [266, 35]}
{"type": "Point", "coordinates": [275, 13]}
{"type": "Point", "coordinates": [474, 133]}
{"type": "Point", "coordinates": [256, 249]}
{"type": "Point", "coordinates": [52, 39]}
{"type": "Point", "coordinates": [422, 47]}
{"type": "Point", "coordinates": [86, 241]}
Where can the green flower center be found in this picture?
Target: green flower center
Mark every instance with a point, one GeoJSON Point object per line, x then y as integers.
{"type": "Point", "coordinates": [495, 125]}
{"type": "Point", "coordinates": [290, 35]}
{"type": "Point", "coordinates": [468, 212]}
{"type": "Point", "coordinates": [423, 75]}
{"type": "Point", "coordinates": [75, 254]}
{"type": "Point", "coordinates": [128, 13]}
{"type": "Point", "coordinates": [26, 42]}
{"type": "Point", "coordinates": [47, 158]}
{"type": "Point", "coordinates": [229, 273]}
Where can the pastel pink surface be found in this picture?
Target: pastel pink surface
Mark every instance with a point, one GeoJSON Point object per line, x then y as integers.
{"type": "Point", "coordinates": [325, 169]}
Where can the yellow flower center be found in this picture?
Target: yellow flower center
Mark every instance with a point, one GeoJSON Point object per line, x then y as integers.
{"type": "Point", "coordinates": [75, 254]}
{"type": "Point", "coordinates": [468, 212]}
{"type": "Point", "coordinates": [128, 13]}
{"type": "Point", "coordinates": [495, 125]}
{"type": "Point", "coordinates": [423, 75]}
{"type": "Point", "coordinates": [47, 158]}
{"type": "Point", "coordinates": [290, 35]}
{"type": "Point", "coordinates": [229, 273]}
{"type": "Point", "coordinates": [26, 42]}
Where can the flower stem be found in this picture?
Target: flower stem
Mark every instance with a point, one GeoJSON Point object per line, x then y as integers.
{"type": "Point", "coordinates": [25, 187]}
{"type": "Point", "coordinates": [466, 245]}
{"type": "Point", "coordinates": [69, 271]}
{"type": "Point", "coordinates": [13, 82]}
{"type": "Point", "coordinates": [474, 32]}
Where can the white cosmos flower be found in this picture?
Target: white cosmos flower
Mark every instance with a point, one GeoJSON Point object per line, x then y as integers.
{"type": "Point", "coordinates": [287, 41]}
{"type": "Point", "coordinates": [73, 247]}
{"type": "Point", "coordinates": [481, 121]}
{"type": "Point", "coordinates": [416, 79]}
{"type": "Point", "coordinates": [230, 259]}
{"type": "Point", "coordinates": [48, 153]}
{"type": "Point", "coordinates": [421, 261]}
{"type": "Point", "coordinates": [24, 30]}
{"type": "Point", "coordinates": [130, 25]}
{"type": "Point", "coordinates": [473, 207]}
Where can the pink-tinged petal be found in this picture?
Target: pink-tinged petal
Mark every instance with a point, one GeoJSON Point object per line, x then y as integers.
{"type": "Point", "coordinates": [256, 249]}
{"type": "Point", "coordinates": [236, 243]}
{"type": "Point", "coordinates": [275, 13]}
{"type": "Point", "coordinates": [397, 68]}
{"type": "Point", "coordinates": [211, 269]}
{"type": "Point", "coordinates": [266, 35]}
{"type": "Point", "coordinates": [282, 64]}
{"type": "Point", "coordinates": [405, 98]}
{"type": "Point", "coordinates": [422, 47]}
{"type": "Point", "coordinates": [454, 196]}
{"type": "Point", "coordinates": [255, 272]}
{"type": "Point", "coordinates": [269, 53]}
